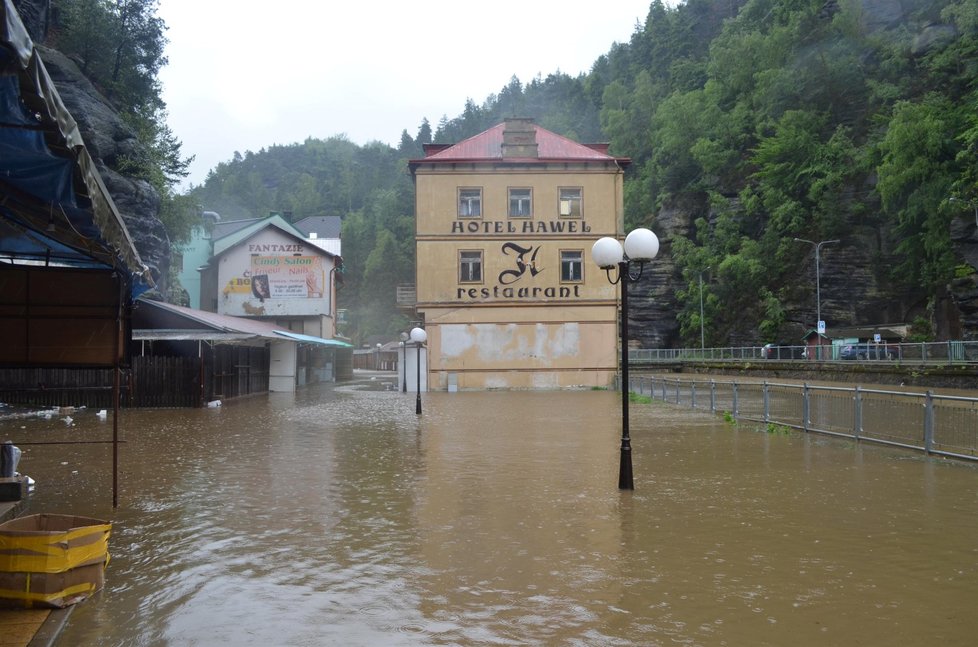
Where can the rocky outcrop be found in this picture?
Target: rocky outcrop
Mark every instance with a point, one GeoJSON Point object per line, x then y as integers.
{"type": "Point", "coordinates": [109, 141]}
{"type": "Point", "coordinates": [880, 14]}
{"type": "Point", "coordinates": [964, 288]}
{"type": "Point", "coordinates": [652, 306]}
{"type": "Point", "coordinates": [36, 16]}
{"type": "Point", "coordinates": [855, 286]}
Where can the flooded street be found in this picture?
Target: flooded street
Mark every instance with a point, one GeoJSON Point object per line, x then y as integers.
{"type": "Point", "coordinates": [339, 517]}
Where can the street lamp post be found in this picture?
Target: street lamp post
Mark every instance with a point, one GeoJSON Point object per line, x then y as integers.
{"type": "Point", "coordinates": [419, 337]}
{"type": "Point", "coordinates": [403, 344]}
{"type": "Point", "coordinates": [402, 358]}
{"type": "Point", "coordinates": [702, 333]}
{"type": "Point", "coordinates": [641, 246]}
{"type": "Point", "coordinates": [818, 287]}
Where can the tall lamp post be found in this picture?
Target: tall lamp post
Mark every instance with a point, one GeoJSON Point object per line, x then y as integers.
{"type": "Point", "coordinates": [818, 287]}
{"type": "Point", "coordinates": [401, 357]}
{"type": "Point", "coordinates": [641, 246]}
{"type": "Point", "coordinates": [702, 329]}
{"type": "Point", "coordinates": [419, 337]}
{"type": "Point", "coordinates": [403, 344]}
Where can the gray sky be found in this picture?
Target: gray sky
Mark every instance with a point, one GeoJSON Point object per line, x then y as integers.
{"type": "Point", "coordinates": [244, 75]}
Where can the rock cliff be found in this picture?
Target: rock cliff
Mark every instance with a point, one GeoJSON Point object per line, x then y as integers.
{"type": "Point", "coordinates": [108, 139]}
{"type": "Point", "coordinates": [855, 285]}
{"type": "Point", "coordinates": [855, 288]}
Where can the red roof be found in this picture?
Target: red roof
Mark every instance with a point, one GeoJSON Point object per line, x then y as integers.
{"type": "Point", "coordinates": [488, 146]}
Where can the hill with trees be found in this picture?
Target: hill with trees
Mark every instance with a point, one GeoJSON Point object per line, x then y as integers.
{"type": "Point", "coordinates": [750, 123]}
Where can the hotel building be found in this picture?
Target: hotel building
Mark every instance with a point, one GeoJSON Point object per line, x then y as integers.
{"type": "Point", "coordinates": [505, 285]}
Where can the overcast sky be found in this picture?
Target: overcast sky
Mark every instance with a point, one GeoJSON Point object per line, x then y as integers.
{"type": "Point", "coordinates": [244, 75]}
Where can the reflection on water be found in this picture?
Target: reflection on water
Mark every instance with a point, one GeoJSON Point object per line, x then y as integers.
{"type": "Point", "coordinates": [338, 516]}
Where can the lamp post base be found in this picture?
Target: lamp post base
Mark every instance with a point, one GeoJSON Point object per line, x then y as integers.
{"type": "Point", "coordinates": [625, 481]}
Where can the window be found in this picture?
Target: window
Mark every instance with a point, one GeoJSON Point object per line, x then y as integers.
{"type": "Point", "coordinates": [520, 203]}
{"type": "Point", "coordinates": [469, 203]}
{"type": "Point", "coordinates": [571, 266]}
{"type": "Point", "coordinates": [570, 203]}
{"type": "Point", "coordinates": [470, 267]}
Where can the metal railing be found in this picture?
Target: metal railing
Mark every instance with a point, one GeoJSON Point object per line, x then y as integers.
{"type": "Point", "coordinates": [407, 295]}
{"type": "Point", "coordinates": [936, 424]}
{"type": "Point", "coordinates": [945, 352]}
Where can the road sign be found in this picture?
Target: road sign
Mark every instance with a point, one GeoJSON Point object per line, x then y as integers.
{"type": "Point", "coordinates": [821, 327]}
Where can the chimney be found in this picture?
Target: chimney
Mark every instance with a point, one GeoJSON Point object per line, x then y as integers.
{"type": "Point", "coordinates": [519, 138]}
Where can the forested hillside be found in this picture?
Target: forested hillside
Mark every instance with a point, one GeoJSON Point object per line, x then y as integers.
{"type": "Point", "coordinates": [750, 123]}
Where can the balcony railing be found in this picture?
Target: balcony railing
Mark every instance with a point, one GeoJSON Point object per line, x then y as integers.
{"type": "Point", "coordinates": [407, 295]}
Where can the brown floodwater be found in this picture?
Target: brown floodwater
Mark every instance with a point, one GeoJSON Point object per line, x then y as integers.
{"type": "Point", "coordinates": [337, 516]}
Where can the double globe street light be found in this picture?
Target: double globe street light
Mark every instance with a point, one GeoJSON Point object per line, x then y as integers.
{"type": "Point", "coordinates": [641, 246]}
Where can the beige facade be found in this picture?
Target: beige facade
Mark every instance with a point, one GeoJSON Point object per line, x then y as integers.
{"type": "Point", "coordinates": [506, 287]}
{"type": "Point", "coordinates": [268, 271]}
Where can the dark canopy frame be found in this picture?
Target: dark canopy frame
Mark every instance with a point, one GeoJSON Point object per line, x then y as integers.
{"type": "Point", "coordinates": [68, 268]}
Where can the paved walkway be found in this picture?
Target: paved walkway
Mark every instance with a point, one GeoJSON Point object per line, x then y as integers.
{"type": "Point", "coordinates": [11, 509]}
{"type": "Point", "coordinates": [28, 627]}
{"type": "Point", "coordinates": [31, 627]}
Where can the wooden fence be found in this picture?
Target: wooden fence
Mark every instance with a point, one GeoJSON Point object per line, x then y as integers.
{"type": "Point", "coordinates": [57, 387]}
{"type": "Point", "coordinates": [151, 381]}
{"type": "Point", "coordinates": [237, 371]}
{"type": "Point", "coordinates": [165, 382]}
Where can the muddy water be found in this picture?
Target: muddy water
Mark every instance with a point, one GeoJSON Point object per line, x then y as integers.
{"type": "Point", "coordinates": [339, 517]}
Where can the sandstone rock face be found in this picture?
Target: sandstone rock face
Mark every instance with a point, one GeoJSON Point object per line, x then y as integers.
{"type": "Point", "coordinates": [109, 141]}
{"type": "Point", "coordinates": [855, 286]}
{"type": "Point", "coordinates": [964, 289]}
{"type": "Point", "coordinates": [880, 14]}
{"type": "Point", "coordinates": [35, 14]}
{"type": "Point", "coordinates": [931, 36]}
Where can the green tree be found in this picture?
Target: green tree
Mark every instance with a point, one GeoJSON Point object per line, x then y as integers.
{"type": "Point", "coordinates": [916, 174]}
{"type": "Point", "coordinates": [120, 45]}
{"type": "Point", "coordinates": [748, 122]}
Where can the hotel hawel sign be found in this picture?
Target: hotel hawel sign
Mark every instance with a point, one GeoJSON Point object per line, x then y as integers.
{"type": "Point", "coordinates": [524, 227]}
{"type": "Point", "coordinates": [521, 260]}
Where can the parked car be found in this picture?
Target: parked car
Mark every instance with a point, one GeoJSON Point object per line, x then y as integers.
{"type": "Point", "coordinates": [868, 351]}
{"type": "Point", "coordinates": [782, 351]}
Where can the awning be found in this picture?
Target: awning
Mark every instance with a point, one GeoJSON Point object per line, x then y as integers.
{"type": "Point", "coordinates": [156, 320]}
{"type": "Point", "coordinates": [213, 336]}
{"type": "Point", "coordinates": [309, 339]}
{"type": "Point", "coordinates": [54, 207]}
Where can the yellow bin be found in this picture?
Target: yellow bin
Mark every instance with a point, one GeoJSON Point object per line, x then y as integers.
{"type": "Point", "coordinates": [52, 560]}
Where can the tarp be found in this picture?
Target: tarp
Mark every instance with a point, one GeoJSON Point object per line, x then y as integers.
{"type": "Point", "coordinates": [54, 206]}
